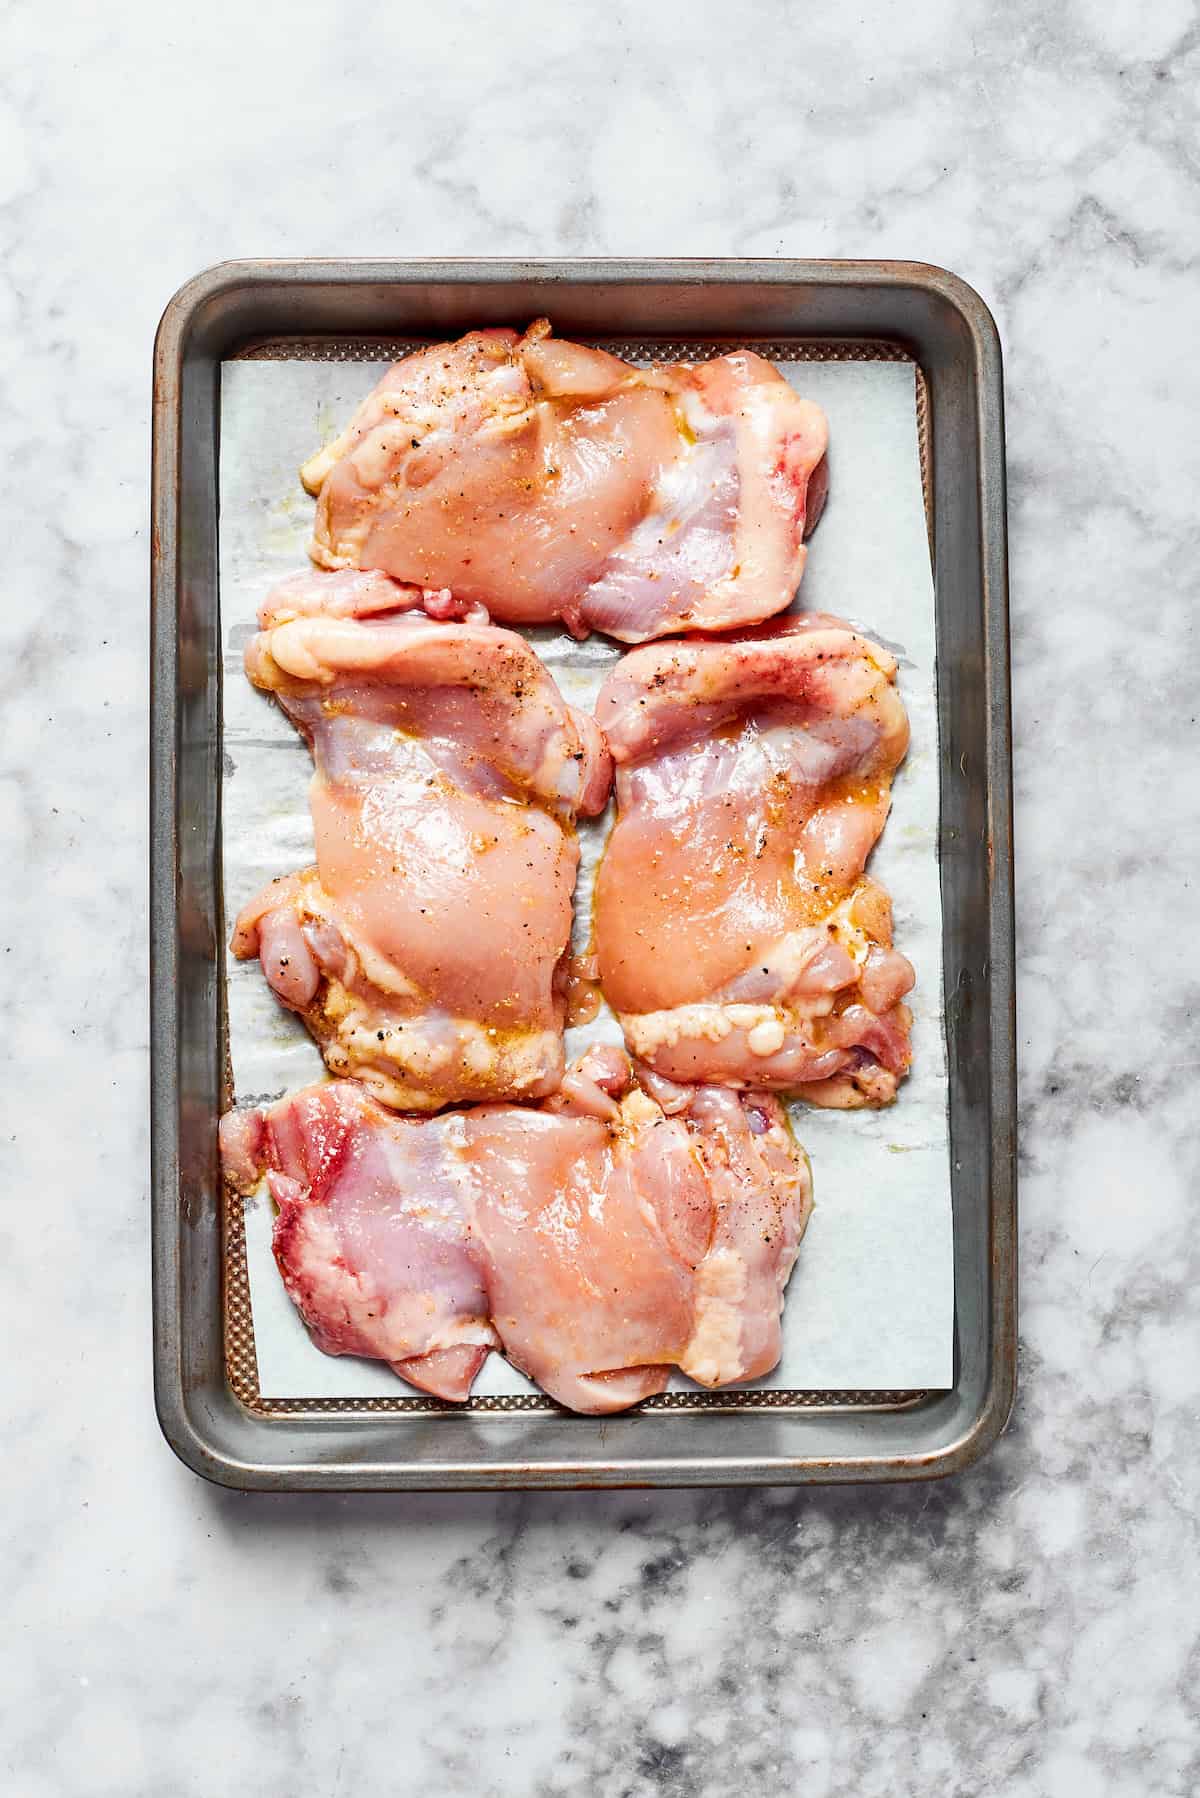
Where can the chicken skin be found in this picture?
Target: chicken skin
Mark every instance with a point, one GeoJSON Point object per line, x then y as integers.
{"type": "Point", "coordinates": [426, 949]}
{"type": "Point", "coordinates": [737, 936]}
{"type": "Point", "coordinates": [597, 1241]}
{"type": "Point", "coordinates": [372, 1237]}
{"type": "Point", "coordinates": [544, 480]}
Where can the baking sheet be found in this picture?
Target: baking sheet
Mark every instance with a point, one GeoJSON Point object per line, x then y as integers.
{"type": "Point", "coordinates": [870, 1305]}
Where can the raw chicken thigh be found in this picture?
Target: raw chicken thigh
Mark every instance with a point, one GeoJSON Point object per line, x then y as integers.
{"type": "Point", "coordinates": [621, 1244]}
{"type": "Point", "coordinates": [548, 481]}
{"type": "Point", "coordinates": [736, 934]}
{"type": "Point", "coordinates": [426, 950]}
{"type": "Point", "coordinates": [351, 593]}
{"type": "Point", "coordinates": [372, 1237]}
{"type": "Point", "coordinates": [597, 1241]}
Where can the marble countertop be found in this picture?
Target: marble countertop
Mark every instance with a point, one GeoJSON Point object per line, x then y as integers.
{"type": "Point", "coordinates": [1028, 1629]}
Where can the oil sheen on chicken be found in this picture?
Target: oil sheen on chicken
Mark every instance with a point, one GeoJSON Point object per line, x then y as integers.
{"type": "Point", "coordinates": [426, 949]}
{"type": "Point", "coordinates": [546, 481]}
{"type": "Point", "coordinates": [737, 935]}
{"type": "Point", "coordinates": [598, 1241]}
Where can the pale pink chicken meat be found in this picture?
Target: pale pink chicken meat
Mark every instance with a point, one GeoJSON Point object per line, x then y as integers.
{"type": "Point", "coordinates": [426, 950]}
{"type": "Point", "coordinates": [597, 1241]}
{"type": "Point", "coordinates": [545, 481]}
{"type": "Point", "coordinates": [737, 935]}
{"type": "Point", "coordinates": [359, 593]}
{"type": "Point", "coordinates": [373, 1235]}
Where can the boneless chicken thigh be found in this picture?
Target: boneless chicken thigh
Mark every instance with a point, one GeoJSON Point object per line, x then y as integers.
{"type": "Point", "coordinates": [372, 1237]}
{"type": "Point", "coordinates": [426, 949]}
{"type": "Point", "coordinates": [736, 933]}
{"type": "Point", "coordinates": [598, 1241]}
{"type": "Point", "coordinates": [623, 1241]}
{"type": "Point", "coordinates": [545, 481]}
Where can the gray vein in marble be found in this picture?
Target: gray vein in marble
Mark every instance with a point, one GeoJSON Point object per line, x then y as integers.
{"type": "Point", "coordinates": [1029, 1630]}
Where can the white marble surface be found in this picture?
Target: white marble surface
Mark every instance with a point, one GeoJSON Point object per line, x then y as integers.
{"type": "Point", "coordinates": [1029, 1629]}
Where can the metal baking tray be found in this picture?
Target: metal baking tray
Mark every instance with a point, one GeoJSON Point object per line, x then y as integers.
{"type": "Point", "coordinates": [205, 1387]}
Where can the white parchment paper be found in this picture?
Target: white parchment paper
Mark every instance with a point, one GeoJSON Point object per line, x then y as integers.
{"type": "Point", "coordinates": [870, 1305]}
